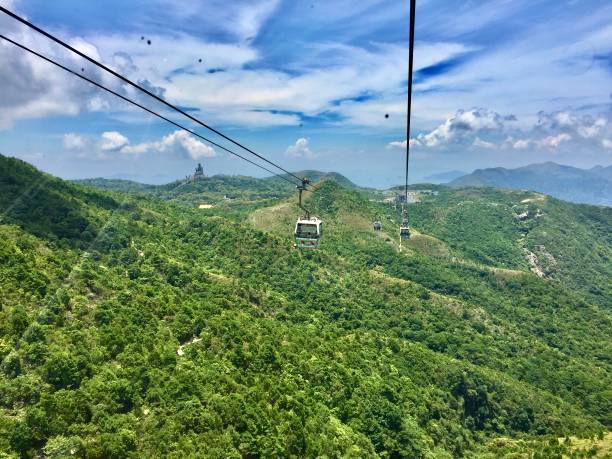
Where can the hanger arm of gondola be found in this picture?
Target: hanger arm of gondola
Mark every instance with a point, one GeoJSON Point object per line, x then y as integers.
{"type": "Point", "coordinates": [301, 188]}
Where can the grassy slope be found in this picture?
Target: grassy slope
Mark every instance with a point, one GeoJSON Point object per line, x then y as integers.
{"type": "Point", "coordinates": [351, 350]}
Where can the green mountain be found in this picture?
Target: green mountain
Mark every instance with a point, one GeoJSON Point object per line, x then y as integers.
{"type": "Point", "coordinates": [592, 186]}
{"type": "Point", "coordinates": [318, 176]}
{"type": "Point", "coordinates": [220, 189]}
{"type": "Point", "coordinates": [115, 184]}
{"type": "Point", "coordinates": [176, 331]}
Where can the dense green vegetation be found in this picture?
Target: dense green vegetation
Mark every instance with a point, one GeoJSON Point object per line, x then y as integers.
{"type": "Point", "coordinates": [572, 243]}
{"type": "Point", "coordinates": [136, 324]}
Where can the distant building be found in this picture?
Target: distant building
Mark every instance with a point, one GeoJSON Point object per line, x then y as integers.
{"type": "Point", "coordinates": [427, 192]}
{"type": "Point", "coordinates": [412, 195]}
{"type": "Point", "coordinates": [199, 172]}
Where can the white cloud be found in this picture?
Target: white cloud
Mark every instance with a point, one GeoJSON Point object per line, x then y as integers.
{"type": "Point", "coordinates": [242, 19]}
{"type": "Point", "coordinates": [231, 94]}
{"type": "Point", "coordinates": [593, 129]}
{"type": "Point", "coordinates": [9, 4]}
{"type": "Point", "coordinates": [464, 127]}
{"type": "Point", "coordinates": [249, 20]}
{"type": "Point", "coordinates": [82, 45]}
{"type": "Point", "coordinates": [191, 145]}
{"type": "Point", "coordinates": [401, 144]}
{"type": "Point", "coordinates": [179, 142]}
{"type": "Point", "coordinates": [521, 144]}
{"type": "Point", "coordinates": [315, 88]}
{"type": "Point", "coordinates": [98, 104]}
{"type": "Point", "coordinates": [300, 149]}
{"type": "Point", "coordinates": [325, 73]}
{"type": "Point", "coordinates": [587, 127]}
{"type": "Point", "coordinates": [74, 141]}
{"type": "Point", "coordinates": [35, 89]}
{"type": "Point", "coordinates": [553, 141]}
{"type": "Point", "coordinates": [607, 143]}
{"type": "Point", "coordinates": [479, 143]}
{"type": "Point", "coordinates": [260, 118]}
{"type": "Point", "coordinates": [113, 141]}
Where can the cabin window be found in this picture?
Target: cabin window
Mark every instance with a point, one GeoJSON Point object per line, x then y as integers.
{"type": "Point", "coordinates": [306, 230]}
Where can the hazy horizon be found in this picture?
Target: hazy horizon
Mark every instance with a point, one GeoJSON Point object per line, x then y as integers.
{"type": "Point", "coordinates": [431, 179]}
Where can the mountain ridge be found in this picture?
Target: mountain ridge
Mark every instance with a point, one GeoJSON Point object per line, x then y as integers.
{"type": "Point", "coordinates": [591, 186]}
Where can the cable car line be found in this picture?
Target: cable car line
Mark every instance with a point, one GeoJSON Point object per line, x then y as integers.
{"type": "Point", "coordinates": [127, 99]}
{"type": "Point", "coordinates": [405, 225]}
{"type": "Point", "coordinates": [140, 88]}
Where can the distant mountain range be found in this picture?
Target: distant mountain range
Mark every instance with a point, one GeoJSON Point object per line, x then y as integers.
{"type": "Point", "coordinates": [443, 177]}
{"type": "Point", "coordinates": [591, 186]}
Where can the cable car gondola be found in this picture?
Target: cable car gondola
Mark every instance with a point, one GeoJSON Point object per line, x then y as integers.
{"type": "Point", "coordinates": [377, 225]}
{"type": "Point", "coordinates": [404, 231]}
{"type": "Point", "coordinates": [308, 230]}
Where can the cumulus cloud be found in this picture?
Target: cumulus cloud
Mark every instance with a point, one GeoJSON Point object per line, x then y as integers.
{"type": "Point", "coordinates": [74, 142]}
{"type": "Point", "coordinates": [179, 142]}
{"type": "Point", "coordinates": [35, 89]}
{"type": "Point", "coordinates": [587, 126]}
{"type": "Point", "coordinates": [464, 127]}
{"type": "Point", "coordinates": [555, 129]}
{"type": "Point", "coordinates": [113, 141]}
{"type": "Point", "coordinates": [481, 128]}
{"type": "Point", "coordinates": [300, 149]}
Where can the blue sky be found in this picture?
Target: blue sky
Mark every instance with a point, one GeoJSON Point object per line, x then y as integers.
{"type": "Point", "coordinates": [308, 84]}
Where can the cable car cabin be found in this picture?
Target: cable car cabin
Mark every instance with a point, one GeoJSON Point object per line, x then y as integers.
{"type": "Point", "coordinates": [308, 233]}
{"type": "Point", "coordinates": [377, 226]}
{"type": "Point", "coordinates": [404, 232]}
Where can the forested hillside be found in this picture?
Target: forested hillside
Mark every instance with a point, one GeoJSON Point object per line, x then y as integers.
{"type": "Point", "coordinates": [570, 243]}
{"type": "Point", "coordinates": [139, 325]}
